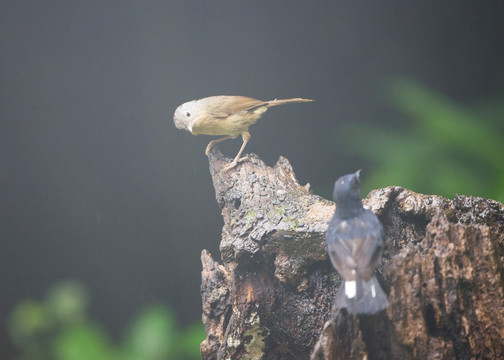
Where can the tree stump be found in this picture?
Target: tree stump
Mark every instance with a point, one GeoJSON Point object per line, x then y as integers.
{"type": "Point", "coordinates": [271, 295]}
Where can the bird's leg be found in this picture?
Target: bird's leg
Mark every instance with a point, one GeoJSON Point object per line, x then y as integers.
{"type": "Point", "coordinates": [237, 159]}
{"type": "Point", "coordinates": [212, 143]}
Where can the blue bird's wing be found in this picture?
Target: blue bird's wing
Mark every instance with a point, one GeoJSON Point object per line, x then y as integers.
{"type": "Point", "coordinates": [341, 248]}
{"type": "Point", "coordinates": [355, 245]}
{"type": "Point", "coordinates": [368, 243]}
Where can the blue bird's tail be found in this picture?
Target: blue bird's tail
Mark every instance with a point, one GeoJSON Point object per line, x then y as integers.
{"type": "Point", "coordinates": [361, 296]}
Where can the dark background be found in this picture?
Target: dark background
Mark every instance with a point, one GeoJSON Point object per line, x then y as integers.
{"type": "Point", "coordinates": [96, 183]}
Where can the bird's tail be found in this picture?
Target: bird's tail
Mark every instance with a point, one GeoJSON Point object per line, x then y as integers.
{"type": "Point", "coordinates": [277, 102]}
{"type": "Point", "coordinates": [361, 297]}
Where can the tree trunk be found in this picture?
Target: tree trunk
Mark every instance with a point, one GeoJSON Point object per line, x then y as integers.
{"type": "Point", "coordinates": [271, 297]}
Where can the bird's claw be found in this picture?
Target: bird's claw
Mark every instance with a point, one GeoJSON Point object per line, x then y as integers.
{"type": "Point", "coordinates": [208, 149]}
{"type": "Point", "coordinates": [230, 166]}
{"type": "Point", "coordinates": [233, 163]}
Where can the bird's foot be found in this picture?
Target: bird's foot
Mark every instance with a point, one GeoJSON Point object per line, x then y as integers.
{"type": "Point", "coordinates": [233, 163]}
{"type": "Point", "coordinates": [212, 143]}
{"type": "Point", "coordinates": [209, 148]}
{"type": "Point", "coordinates": [230, 165]}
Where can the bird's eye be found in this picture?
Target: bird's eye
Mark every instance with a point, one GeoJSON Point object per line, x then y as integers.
{"type": "Point", "coordinates": [188, 114]}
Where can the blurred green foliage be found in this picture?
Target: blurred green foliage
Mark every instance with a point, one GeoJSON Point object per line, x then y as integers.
{"type": "Point", "coordinates": [442, 147]}
{"type": "Point", "coordinates": [59, 329]}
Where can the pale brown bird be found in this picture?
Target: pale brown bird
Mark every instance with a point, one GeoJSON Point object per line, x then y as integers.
{"type": "Point", "coordinates": [224, 115]}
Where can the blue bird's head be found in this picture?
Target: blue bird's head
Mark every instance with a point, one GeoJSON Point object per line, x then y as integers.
{"type": "Point", "coordinates": [347, 191]}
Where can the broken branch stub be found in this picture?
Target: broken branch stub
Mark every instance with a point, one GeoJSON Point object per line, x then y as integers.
{"type": "Point", "coordinates": [271, 296]}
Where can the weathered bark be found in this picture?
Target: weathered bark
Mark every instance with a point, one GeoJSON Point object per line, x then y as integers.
{"type": "Point", "coordinates": [271, 296]}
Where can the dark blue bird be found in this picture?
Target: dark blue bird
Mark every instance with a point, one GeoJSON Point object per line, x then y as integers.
{"type": "Point", "coordinates": [355, 243]}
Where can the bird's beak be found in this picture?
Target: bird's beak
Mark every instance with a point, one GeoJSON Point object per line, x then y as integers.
{"type": "Point", "coordinates": [357, 173]}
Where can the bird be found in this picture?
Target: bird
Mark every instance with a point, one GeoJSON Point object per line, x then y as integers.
{"type": "Point", "coordinates": [354, 240]}
{"type": "Point", "coordinates": [225, 115]}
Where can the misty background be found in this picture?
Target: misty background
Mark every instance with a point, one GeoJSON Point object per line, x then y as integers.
{"type": "Point", "coordinates": [97, 184]}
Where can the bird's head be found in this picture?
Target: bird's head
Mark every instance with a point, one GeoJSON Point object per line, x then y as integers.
{"type": "Point", "coordinates": [185, 115]}
{"type": "Point", "coordinates": [347, 189]}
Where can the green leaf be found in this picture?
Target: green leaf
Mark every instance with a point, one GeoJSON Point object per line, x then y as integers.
{"type": "Point", "coordinates": [82, 342]}
{"type": "Point", "coordinates": [28, 320]}
{"type": "Point", "coordinates": [152, 334]}
{"type": "Point", "coordinates": [190, 339]}
{"type": "Point", "coordinates": [449, 122]}
{"type": "Point", "coordinates": [441, 147]}
{"type": "Point", "coordinates": [67, 301]}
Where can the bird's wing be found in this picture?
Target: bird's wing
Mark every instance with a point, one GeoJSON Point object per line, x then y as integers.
{"type": "Point", "coordinates": [340, 247]}
{"type": "Point", "coordinates": [230, 105]}
{"type": "Point", "coordinates": [368, 243]}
